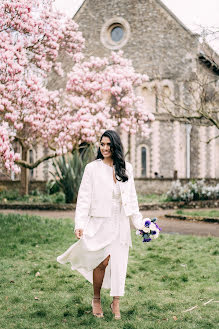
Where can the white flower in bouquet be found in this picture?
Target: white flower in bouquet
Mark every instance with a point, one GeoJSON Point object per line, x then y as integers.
{"type": "Point", "coordinates": [146, 229]}
{"type": "Point", "coordinates": [153, 227]}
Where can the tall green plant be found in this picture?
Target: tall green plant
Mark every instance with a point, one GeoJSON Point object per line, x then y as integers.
{"type": "Point", "coordinates": [68, 171]}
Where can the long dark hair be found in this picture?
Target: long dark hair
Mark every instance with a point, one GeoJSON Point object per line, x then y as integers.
{"type": "Point", "coordinates": [116, 149]}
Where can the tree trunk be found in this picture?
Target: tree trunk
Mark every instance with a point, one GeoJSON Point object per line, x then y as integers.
{"type": "Point", "coordinates": [24, 174]}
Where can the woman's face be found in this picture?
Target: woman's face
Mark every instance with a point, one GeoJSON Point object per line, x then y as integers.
{"type": "Point", "coordinates": [105, 147]}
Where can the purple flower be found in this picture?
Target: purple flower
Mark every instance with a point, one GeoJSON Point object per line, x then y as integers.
{"type": "Point", "coordinates": [147, 240]}
{"type": "Point", "coordinates": [153, 232]}
{"type": "Point", "coordinates": [147, 223]}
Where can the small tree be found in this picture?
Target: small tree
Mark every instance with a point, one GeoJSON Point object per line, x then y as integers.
{"type": "Point", "coordinates": [203, 101]}
{"type": "Point", "coordinates": [68, 171]}
{"type": "Point", "coordinates": [202, 88]}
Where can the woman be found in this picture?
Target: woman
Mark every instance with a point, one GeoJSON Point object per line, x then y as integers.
{"type": "Point", "coordinates": [106, 200]}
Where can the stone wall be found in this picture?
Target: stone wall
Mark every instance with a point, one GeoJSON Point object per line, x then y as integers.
{"type": "Point", "coordinates": [160, 186]}
{"type": "Point", "coordinates": [194, 151]}
{"type": "Point", "coordinates": [166, 149]}
{"type": "Point", "coordinates": [216, 155]}
{"type": "Point", "coordinates": [143, 185]}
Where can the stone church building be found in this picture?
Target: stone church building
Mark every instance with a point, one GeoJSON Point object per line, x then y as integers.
{"type": "Point", "coordinates": [160, 46]}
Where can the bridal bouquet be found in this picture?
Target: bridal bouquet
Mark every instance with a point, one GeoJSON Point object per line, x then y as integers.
{"type": "Point", "coordinates": [150, 230]}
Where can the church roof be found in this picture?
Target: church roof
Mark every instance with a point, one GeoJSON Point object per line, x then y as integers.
{"type": "Point", "coordinates": [81, 2]}
{"type": "Point", "coordinates": [174, 16]}
{"type": "Point", "coordinates": [210, 61]}
{"type": "Point", "coordinates": [209, 57]}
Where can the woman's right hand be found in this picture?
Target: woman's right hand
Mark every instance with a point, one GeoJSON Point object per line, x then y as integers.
{"type": "Point", "coordinates": [78, 233]}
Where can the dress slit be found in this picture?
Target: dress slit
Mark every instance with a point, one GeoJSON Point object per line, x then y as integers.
{"type": "Point", "coordinates": [104, 261]}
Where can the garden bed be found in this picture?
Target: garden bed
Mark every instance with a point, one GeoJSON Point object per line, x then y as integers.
{"type": "Point", "coordinates": [211, 216]}
{"type": "Point", "coordinates": [143, 206]}
{"type": "Point", "coordinates": [38, 206]}
{"type": "Point", "coordinates": [180, 205]}
{"type": "Point", "coordinates": [196, 218]}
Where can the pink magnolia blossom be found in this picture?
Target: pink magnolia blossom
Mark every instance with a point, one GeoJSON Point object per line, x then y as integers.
{"type": "Point", "coordinates": [7, 155]}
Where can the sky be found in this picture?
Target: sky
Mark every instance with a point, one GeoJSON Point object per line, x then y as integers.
{"type": "Point", "coordinates": [193, 13]}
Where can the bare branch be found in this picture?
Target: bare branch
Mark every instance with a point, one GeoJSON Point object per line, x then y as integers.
{"type": "Point", "coordinates": [201, 101]}
{"type": "Point", "coordinates": [211, 139]}
{"type": "Point", "coordinates": [28, 165]}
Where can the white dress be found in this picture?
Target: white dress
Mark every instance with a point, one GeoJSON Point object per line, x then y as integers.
{"type": "Point", "coordinates": [101, 239]}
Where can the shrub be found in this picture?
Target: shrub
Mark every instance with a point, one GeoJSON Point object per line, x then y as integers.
{"type": "Point", "coordinates": [9, 195]}
{"type": "Point", "coordinates": [69, 170]}
{"type": "Point", "coordinates": [194, 190]}
{"type": "Point", "coordinates": [35, 192]}
{"type": "Point", "coordinates": [59, 197]}
{"type": "Point", "coordinates": [52, 187]}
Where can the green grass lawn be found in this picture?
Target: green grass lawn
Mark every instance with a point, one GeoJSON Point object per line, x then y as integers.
{"type": "Point", "coordinates": [206, 213]}
{"type": "Point", "coordinates": [165, 277]}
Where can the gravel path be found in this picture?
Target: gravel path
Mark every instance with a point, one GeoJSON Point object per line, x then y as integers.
{"type": "Point", "coordinates": [167, 225]}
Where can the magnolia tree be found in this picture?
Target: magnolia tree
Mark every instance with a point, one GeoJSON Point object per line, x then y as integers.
{"type": "Point", "coordinates": [99, 93]}
{"type": "Point", "coordinates": [32, 35]}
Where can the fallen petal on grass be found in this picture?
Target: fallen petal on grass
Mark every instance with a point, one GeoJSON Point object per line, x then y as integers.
{"type": "Point", "coordinates": [190, 309]}
{"type": "Point", "coordinates": [209, 301]}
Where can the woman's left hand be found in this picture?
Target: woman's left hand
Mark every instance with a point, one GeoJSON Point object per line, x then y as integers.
{"type": "Point", "coordinates": [79, 233]}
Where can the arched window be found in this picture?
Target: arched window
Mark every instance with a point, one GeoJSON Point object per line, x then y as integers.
{"type": "Point", "coordinates": [143, 161]}
{"type": "Point", "coordinates": [149, 97]}
{"type": "Point", "coordinates": [166, 96]}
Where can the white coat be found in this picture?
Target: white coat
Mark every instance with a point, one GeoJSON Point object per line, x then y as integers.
{"type": "Point", "coordinates": [95, 198]}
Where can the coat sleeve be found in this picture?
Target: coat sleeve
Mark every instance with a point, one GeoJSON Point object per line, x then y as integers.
{"type": "Point", "coordinates": [136, 216]}
{"type": "Point", "coordinates": [83, 200]}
